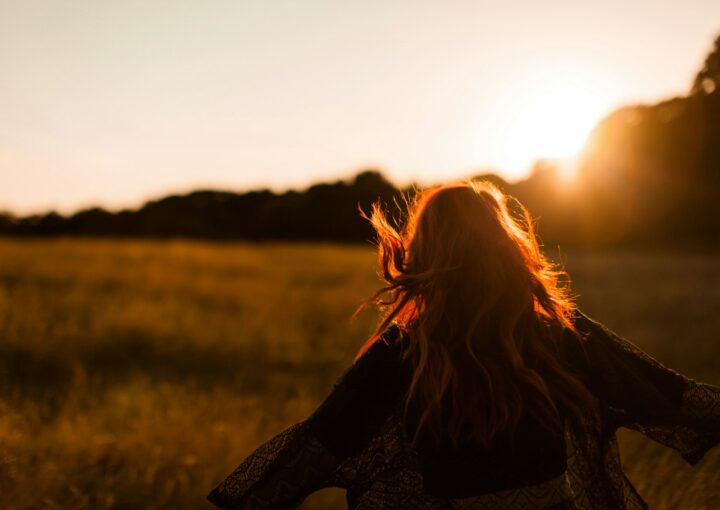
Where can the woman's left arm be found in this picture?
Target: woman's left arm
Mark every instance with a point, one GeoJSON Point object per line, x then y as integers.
{"type": "Point", "coordinates": [644, 395]}
{"type": "Point", "coordinates": [699, 427]}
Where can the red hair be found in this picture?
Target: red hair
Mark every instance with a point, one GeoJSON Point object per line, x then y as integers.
{"type": "Point", "coordinates": [482, 309]}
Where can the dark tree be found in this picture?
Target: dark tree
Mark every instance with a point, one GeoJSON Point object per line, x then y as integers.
{"type": "Point", "coordinates": [708, 79]}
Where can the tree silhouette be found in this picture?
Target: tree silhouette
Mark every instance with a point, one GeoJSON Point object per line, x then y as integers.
{"type": "Point", "coordinates": [708, 79]}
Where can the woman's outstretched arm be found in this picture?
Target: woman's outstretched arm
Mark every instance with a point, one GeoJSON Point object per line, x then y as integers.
{"type": "Point", "coordinates": [644, 395]}
{"type": "Point", "coordinates": [278, 474]}
{"type": "Point", "coordinates": [304, 458]}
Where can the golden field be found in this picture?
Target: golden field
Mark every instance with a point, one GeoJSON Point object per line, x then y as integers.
{"type": "Point", "coordinates": [137, 374]}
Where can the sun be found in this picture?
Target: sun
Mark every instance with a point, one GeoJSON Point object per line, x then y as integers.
{"type": "Point", "coordinates": [549, 117]}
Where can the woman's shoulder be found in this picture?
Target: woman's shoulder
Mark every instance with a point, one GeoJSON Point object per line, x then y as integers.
{"type": "Point", "coordinates": [391, 343]}
{"type": "Point", "coordinates": [586, 345]}
{"type": "Point", "coordinates": [585, 333]}
{"type": "Point", "coordinates": [385, 358]}
{"type": "Point", "coordinates": [393, 335]}
{"type": "Point", "coordinates": [595, 339]}
{"type": "Point", "coordinates": [583, 324]}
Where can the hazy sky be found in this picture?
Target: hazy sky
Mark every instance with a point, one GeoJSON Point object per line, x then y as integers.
{"type": "Point", "coordinates": [113, 102]}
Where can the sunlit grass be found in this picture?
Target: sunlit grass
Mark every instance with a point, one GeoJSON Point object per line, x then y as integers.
{"type": "Point", "coordinates": [137, 374]}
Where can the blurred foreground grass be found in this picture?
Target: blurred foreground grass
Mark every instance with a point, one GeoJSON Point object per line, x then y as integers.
{"type": "Point", "coordinates": [137, 374]}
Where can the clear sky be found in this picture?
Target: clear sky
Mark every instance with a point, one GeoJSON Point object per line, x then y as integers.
{"type": "Point", "coordinates": [113, 102]}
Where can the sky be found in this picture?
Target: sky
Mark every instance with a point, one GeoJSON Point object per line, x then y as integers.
{"type": "Point", "coordinates": [113, 103]}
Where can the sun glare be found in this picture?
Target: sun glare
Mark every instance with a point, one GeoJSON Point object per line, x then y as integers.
{"type": "Point", "coordinates": [549, 119]}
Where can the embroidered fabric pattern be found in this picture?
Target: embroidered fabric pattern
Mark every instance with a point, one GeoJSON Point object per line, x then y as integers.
{"type": "Point", "coordinates": [279, 474]}
{"type": "Point", "coordinates": [386, 475]}
{"type": "Point", "coordinates": [543, 495]}
{"type": "Point", "coordinates": [698, 427]}
{"type": "Point", "coordinates": [701, 404]}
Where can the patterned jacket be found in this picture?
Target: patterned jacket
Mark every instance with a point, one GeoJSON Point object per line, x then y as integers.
{"type": "Point", "coordinates": [357, 440]}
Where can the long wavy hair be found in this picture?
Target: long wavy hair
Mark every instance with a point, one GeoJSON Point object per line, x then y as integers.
{"type": "Point", "coordinates": [482, 310]}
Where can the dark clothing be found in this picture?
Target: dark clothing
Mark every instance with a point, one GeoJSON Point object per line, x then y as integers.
{"type": "Point", "coordinates": [357, 439]}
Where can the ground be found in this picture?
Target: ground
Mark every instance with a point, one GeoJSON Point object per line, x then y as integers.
{"type": "Point", "coordinates": [137, 374]}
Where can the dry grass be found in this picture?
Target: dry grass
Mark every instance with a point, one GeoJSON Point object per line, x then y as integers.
{"type": "Point", "coordinates": [138, 374]}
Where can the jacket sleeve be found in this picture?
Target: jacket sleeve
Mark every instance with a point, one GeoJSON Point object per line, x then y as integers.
{"type": "Point", "coordinates": [306, 457]}
{"type": "Point", "coordinates": [642, 394]}
{"type": "Point", "coordinates": [278, 474]}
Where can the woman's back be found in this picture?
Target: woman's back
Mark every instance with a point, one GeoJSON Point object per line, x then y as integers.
{"type": "Point", "coordinates": [376, 388]}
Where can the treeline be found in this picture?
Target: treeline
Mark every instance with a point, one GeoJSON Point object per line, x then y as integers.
{"type": "Point", "coordinates": [326, 211]}
{"type": "Point", "coordinates": [650, 176]}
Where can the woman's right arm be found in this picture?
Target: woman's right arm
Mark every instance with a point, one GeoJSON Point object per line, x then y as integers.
{"type": "Point", "coordinates": [278, 474]}
{"type": "Point", "coordinates": [304, 458]}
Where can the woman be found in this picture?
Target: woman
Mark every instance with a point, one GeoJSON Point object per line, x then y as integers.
{"type": "Point", "coordinates": [482, 388]}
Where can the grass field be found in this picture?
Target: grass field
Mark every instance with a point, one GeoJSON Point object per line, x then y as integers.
{"type": "Point", "coordinates": [137, 374]}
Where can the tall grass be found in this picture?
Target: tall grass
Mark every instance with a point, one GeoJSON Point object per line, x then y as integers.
{"type": "Point", "coordinates": [137, 374]}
